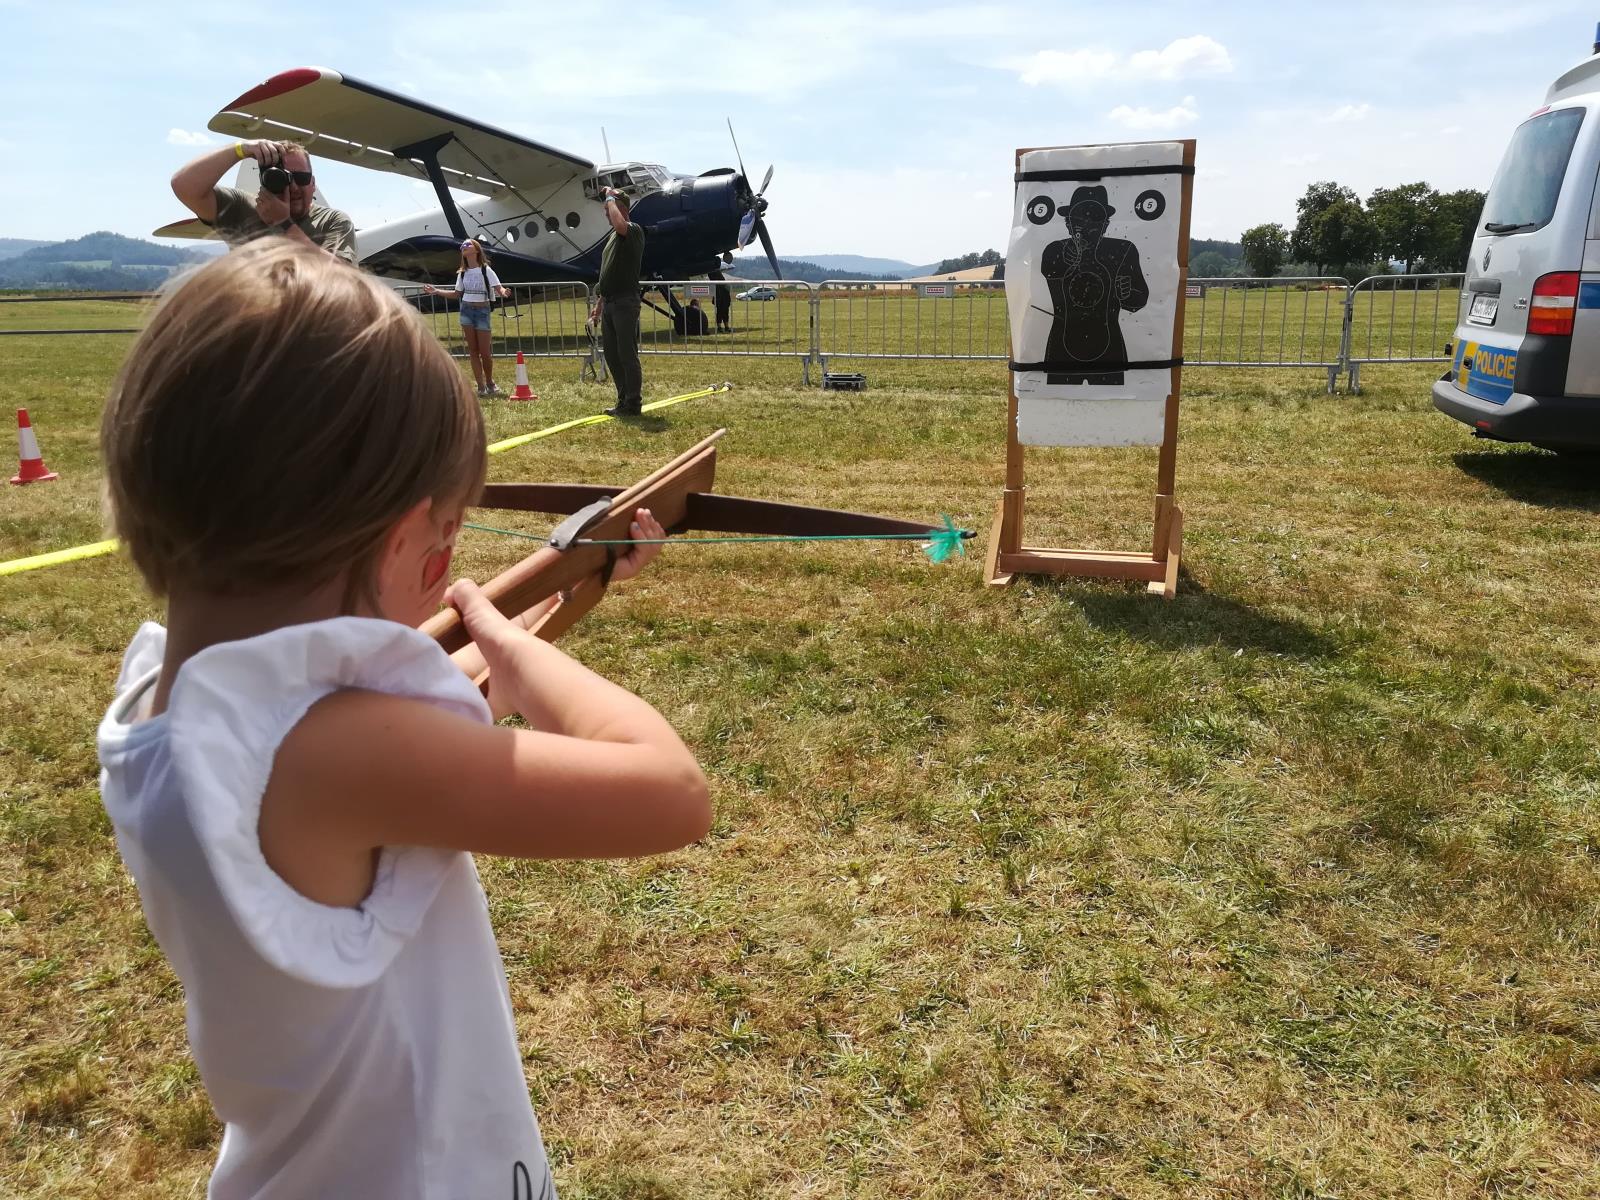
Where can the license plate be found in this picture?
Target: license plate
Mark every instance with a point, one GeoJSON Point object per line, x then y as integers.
{"type": "Point", "coordinates": [1484, 307]}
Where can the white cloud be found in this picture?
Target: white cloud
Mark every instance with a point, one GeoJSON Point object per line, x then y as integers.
{"type": "Point", "coordinates": [1347, 112]}
{"type": "Point", "coordinates": [1450, 131]}
{"type": "Point", "coordinates": [182, 137]}
{"type": "Point", "coordinates": [1181, 59]}
{"type": "Point", "coordinates": [1198, 55]}
{"type": "Point", "coordinates": [1147, 118]}
{"type": "Point", "coordinates": [1300, 160]}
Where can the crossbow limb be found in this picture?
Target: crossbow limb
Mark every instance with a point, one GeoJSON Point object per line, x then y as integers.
{"type": "Point", "coordinates": [678, 494]}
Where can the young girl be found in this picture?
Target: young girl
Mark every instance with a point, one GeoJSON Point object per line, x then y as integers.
{"type": "Point", "coordinates": [296, 775]}
{"type": "Point", "coordinates": [476, 284]}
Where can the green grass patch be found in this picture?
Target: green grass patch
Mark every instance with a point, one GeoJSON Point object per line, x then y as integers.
{"type": "Point", "coordinates": [1287, 888]}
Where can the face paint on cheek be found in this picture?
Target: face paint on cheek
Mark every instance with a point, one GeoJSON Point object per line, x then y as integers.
{"type": "Point", "coordinates": [439, 561]}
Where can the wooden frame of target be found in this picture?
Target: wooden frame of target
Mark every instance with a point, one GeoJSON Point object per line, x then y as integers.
{"type": "Point", "coordinates": [1095, 275]}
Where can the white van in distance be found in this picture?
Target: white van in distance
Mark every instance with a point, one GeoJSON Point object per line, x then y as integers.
{"type": "Point", "coordinates": [1525, 362]}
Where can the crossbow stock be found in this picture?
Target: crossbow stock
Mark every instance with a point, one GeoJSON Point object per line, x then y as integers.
{"type": "Point", "coordinates": [678, 494]}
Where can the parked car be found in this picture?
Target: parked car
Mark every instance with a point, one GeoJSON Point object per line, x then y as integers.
{"type": "Point", "coordinates": [758, 293]}
{"type": "Point", "coordinates": [1525, 360]}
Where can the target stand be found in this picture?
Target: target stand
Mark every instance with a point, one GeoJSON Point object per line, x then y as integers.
{"type": "Point", "coordinates": [1046, 258]}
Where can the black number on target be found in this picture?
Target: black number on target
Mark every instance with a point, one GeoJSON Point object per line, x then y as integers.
{"type": "Point", "coordinates": [1040, 210]}
{"type": "Point", "coordinates": [1150, 205]}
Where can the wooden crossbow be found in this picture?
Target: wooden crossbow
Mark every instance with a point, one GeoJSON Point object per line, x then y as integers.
{"type": "Point", "coordinates": [678, 494]}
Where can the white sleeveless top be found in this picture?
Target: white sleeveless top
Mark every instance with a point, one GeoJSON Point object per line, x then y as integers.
{"type": "Point", "coordinates": [351, 1052]}
{"type": "Point", "coordinates": [476, 284]}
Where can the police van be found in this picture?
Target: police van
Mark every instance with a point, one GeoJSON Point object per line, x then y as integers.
{"type": "Point", "coordinates": [1525, 360]}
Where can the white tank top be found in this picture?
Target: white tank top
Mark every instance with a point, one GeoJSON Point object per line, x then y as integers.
{"type": "Point", "coordinates": [351, 1052]}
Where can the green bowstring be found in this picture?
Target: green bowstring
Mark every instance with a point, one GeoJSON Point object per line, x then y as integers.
{"type": "Point", "coordinates": [942, 543]}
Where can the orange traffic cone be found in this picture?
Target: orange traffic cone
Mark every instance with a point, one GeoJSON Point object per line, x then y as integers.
{"type": "Point", "coordinates": [523, 391]}
{"type": "Point", "coordinates": [32, 467]}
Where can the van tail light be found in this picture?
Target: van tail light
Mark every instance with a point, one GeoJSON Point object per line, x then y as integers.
{"type": "Point", "coordinates": [1555, 303]}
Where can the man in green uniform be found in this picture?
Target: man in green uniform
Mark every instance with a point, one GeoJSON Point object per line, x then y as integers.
{"type": "Point", "coordinates": [240, 217]}
{"type": "Point", "coordinates": [616, 305]}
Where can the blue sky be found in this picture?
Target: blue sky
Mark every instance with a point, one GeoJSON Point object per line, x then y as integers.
{"type": "Point", "coordinates": [891, 125]}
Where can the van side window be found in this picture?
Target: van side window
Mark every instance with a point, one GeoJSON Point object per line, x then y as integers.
{"type": "Point", "coordinates": [1594, 212]}
{"type": "Point", "coordinates": [1528, 184]}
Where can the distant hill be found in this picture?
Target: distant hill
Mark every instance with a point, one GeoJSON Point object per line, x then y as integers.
{"type": "Point", "coordinates": [806, 271]}
{"type": "Point", "coordinates": [11, 247]}
{"type": "Point", "coordinates": [893, 267]}
{"type": "Point", "coordinates": [99, 261]}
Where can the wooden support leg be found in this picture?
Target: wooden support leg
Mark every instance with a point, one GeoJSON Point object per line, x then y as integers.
{"type": "Point", "coordinates": [1158, 540]}
{"type": "Point", "coordinates": [1167, 587]}
{"type": "Point", "coordinates": [1005, 537]}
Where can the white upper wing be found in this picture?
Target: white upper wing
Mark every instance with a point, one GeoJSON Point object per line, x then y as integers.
{"type": "Point", "coordinates": [340, 118]}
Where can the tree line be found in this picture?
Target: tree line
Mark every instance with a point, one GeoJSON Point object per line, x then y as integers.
{"type": "Point", "coordinates": [965, 262]}
{"type": "Point", "coordinates": [1335, 234]}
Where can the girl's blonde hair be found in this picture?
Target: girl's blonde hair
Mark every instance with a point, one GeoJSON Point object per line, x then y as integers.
{"type": "Point", "coordinates": [275, 418]}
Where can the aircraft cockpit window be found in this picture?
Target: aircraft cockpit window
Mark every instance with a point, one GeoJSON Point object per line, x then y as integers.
{"type": "Point", "coordinates": [511, 234]}
{"type": "Point", "coordinates": [531, 229]}
{"type": "Point", "coordinates": [572, 220]}
{"type": "Point", "coordinates": [552, 224]}
{"type": "Point", "coordinates": [637, 179]}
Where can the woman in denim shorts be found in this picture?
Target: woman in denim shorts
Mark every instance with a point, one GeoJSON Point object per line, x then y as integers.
{"type": "Point", "coordinates": [476, 285]}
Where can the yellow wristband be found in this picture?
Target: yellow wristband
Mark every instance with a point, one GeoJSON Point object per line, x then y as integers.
{"type": "Point", "coordinates": [238, 149]}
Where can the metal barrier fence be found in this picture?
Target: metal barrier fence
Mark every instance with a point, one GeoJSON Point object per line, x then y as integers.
{"type": "Point", "coordinates": [955, 319]}
{"type": "Point", "coordinates": [1266, 322]}
{"type": "Point", "coordinates": [1320, 322]}
{"type": "Point", "coordinates": [764, 319]}
{"type": "Point", "coordinates": [540, 320]}
{"type": "Point", "coordinates": [1400, 319]}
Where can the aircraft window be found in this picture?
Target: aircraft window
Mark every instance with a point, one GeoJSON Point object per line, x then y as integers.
{"type": "Point", "coordinates": [552, 224]}
{"type": "Point", "coordinates": [511, 234]}
{"type": "Point", "coordinates": [531, 229]}
{"type": "Point", "coordinates": [572, 220]}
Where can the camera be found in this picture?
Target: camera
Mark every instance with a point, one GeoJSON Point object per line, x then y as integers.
{"type": "Point", "coordinates": [275, 180]}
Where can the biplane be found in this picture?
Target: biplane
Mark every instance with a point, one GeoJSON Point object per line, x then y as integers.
{"type": "Point", "coordinates": [537, 208]}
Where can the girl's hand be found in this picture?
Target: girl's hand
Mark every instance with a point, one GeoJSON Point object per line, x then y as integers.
{"type": "Point", "coordinates": [496, 641]}
{"type": "Point", "coordinates": [505, 293]}
{"type": "Point", "coordinates": [429, 289]}
{"type": "Point", "coordinates": [473, 662]}
{"type": "Point", "coordinates": [644, 525]}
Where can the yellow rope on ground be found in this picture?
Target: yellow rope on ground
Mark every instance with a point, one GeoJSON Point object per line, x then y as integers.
{"type": "Point", "coordinates": [598, 418]}
{"type": "Point", "coordinates": [94, 550]}
{"type": "Point", "coordinates": [17, 565]}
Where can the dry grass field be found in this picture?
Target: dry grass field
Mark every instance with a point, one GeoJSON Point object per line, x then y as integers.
{"type": "Point", "coordinates": [1287, 889]}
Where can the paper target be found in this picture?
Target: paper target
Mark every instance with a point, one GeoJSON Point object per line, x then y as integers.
{"type": "Point", "coordinates": [1092, 273]}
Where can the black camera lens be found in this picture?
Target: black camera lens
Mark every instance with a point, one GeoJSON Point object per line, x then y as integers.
{"type": "Point", "coordinates": [275, 180]}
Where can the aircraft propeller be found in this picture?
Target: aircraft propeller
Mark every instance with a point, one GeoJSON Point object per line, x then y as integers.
{"type": "Point", "coordinates": [754, 219]}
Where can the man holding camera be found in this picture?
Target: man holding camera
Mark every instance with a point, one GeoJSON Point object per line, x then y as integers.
{"type": "Point", "coordinates": [285, 204]}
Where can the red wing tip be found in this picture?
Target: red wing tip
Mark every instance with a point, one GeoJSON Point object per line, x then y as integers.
{"type": "Point", "coordinates": [285, 81]}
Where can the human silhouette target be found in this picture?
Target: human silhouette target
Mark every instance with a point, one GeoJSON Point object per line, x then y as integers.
{"type": "Point", "coordinates": [1092, 280]}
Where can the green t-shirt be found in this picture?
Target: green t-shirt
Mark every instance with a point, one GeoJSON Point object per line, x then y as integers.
{"type": "Point", "coordinates": [619, 263]}
{"type": "Point", "coordinates": [238, 223]}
